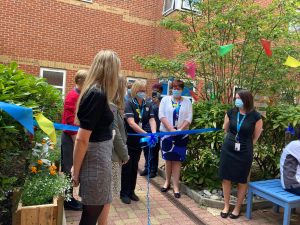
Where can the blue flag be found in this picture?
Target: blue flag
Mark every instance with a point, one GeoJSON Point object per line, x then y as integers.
{"type": "Point", "coordinates": [23, 115]}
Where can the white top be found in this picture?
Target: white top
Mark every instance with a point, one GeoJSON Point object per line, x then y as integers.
{"type": "Point", "coordinates": [166, 110]}
{"type": "Point", "coordinates": [290, 165]}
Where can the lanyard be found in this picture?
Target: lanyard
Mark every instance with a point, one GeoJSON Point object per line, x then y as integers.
{"type": "Point", "coordinates": [176, 107]}
{"type": "Point", "coordinates": [239, 124]}
{"type": "Point", "coordinates": [139, 109]}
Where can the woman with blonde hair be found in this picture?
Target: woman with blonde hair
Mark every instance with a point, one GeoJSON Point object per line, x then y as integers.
{"type": "Point", "coordinates": [93, 144]}
{"type": "Point", "coordinates": [120, 151]}
{"type": "Point", "coordinates": [139, 118]}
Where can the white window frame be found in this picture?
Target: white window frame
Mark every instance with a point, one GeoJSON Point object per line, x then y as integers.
{"type": "Point", "coordinates": [87, 1]}
{"type": "Point", "coordinates": [136, 78]}
{"type": "Point", "coordinates": [181, 5]}
{"type": "Point", "coordinates": [294, 27]}
{"type": "Point", "coordinates": [64, 72]}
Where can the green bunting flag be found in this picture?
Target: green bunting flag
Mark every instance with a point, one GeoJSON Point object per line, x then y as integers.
{"type": "Point", "coordinates": [223, 50]}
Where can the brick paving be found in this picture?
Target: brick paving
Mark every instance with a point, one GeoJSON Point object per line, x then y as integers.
{"type": "Point", "coordinates": [165, 212]}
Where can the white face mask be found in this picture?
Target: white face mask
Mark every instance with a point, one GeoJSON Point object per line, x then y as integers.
{"type": "Point", "coordinates": [141, 95]}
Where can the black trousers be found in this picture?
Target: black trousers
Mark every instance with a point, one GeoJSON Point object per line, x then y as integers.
{"type": "Point", "coordinates": [295, 191]}
{"type": "Point", "coordinates": [67, 146]}
{"type": "Point", "coordinates": [153, 157]}
{"type": "Point", "coordinates": [129, 171]}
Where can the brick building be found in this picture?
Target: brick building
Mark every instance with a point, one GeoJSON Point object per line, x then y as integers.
{"type": "Point", "coordinates": [55, 38]}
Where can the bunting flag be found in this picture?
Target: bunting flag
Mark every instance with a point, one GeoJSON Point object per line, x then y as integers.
{"type": "Point", "coordinates": [193, 94]}
{"type": "Point", "coordinates": [190, 69]}
{"type": "Point", "coordinates": [23, 115]}
{"type": "Point", "coordinates": [47, 126]}
{"type": "Point", "coordinates": [292, 62]}
{"type": "Point", "coordinates": [267, 46]}
{"type": "Point", "coordinates": [223, 50]}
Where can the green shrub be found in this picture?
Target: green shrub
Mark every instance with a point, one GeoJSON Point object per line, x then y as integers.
{"type": "Point", "coordinates": [201, 166]}
{"type": "Point", "coordinates": [20, 88]}
{"type": "Point", "coordinates": [202, 163]}
{"type": "Point", "coordinates": [273, 139]}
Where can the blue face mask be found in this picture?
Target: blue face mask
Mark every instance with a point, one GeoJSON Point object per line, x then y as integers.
{"type": "Point", "coordinates": [176, 93]}
{"type": "Point", "coordinates": [239, 103]}
{"type": "Point", "coordinates": [129, 91]}
{"type": "Point", "coordinates": [141, 95]}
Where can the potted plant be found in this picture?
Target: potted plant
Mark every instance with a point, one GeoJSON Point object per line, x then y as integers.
{"type": "Point", "coordinates": [44, 190]}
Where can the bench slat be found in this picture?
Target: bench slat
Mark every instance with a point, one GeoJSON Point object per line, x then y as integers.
{"type": "Point", "coordinates": [274, 189]}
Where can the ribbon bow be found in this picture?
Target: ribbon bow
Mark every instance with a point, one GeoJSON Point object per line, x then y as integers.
{"type": "Point", "coordinates": [150, 141]}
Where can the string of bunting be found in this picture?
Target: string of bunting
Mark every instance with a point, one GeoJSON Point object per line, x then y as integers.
{"type": "Point", "coordinates": [190, 66]}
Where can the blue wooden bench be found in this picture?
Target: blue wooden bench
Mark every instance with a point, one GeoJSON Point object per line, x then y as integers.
{"type": "Point", "coordinates": [272, 190]}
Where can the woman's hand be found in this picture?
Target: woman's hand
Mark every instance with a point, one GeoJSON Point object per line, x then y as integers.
{"type": "Point", "coordinates": [75, 180]}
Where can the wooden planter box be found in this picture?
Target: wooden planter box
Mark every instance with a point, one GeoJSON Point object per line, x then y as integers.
{"type": "Point", "coordinates": [48, 214]}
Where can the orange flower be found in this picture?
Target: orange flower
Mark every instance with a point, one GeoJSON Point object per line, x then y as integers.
{"type": "Point", "coordinates": [33, 169]}
{"type": "Point", "coordinates": [44, 141]}
{"type": "Point", "coordinates": [52, 172]}
{"type": "Point", "coordinates": [53, 167]}
{"type": "Point", "coordinates": [40, 162]}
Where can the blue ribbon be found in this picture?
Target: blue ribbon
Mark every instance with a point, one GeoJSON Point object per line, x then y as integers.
{"type": "Point", "coordinates": [21, 114]}
{"type": "Point", "coordinates": [150, 141]}
{"type": "Point", "coordinates": [290, 130]}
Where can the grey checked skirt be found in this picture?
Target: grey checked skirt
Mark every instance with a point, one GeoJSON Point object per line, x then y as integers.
{"type": "Point", "coordinates": [95, 174]}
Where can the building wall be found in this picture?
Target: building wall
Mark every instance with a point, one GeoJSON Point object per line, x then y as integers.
{"type": "Point", "coordinates": [66, 34]}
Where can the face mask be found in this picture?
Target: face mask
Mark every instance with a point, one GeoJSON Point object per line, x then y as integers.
{"type": "Point", "coordinates": [156, 94]}
{"type": "Point", "coordinates": [176, 93]}
{"type": "Point", "coordinates": [141, 95]}
{"type": "Point", "coordinates": [239, 103]}
{"type": "Point", "coordinates": [129, 91]}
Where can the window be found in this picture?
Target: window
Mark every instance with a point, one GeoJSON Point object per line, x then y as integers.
{"type": "Point", "coordinates": [132, 80]}
{"type": "Point", "coordinates": [294, 27]}
{"type": "Point", "coordinates": [184, 5]}
{"type": "Point", "coordinates": [89, 1]}
{"type": "Point", "coordinates": [55, 77]}
{"type": "Point", "coordinates": [169, 6]}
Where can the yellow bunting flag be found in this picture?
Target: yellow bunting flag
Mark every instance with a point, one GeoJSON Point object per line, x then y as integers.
{"type": "Point", "coordinates": [292, 62]}
{"type": "Point", "coordinates": [47, 126]}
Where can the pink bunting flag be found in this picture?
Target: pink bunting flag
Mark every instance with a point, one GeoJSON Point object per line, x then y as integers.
{"type": "Point", "coordinates": [190, 69]}
{"type": "Point", "coordinates": [267, 46]}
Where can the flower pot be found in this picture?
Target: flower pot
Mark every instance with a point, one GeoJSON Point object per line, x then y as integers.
{"type": "Point", "coordinates": [48, 214]}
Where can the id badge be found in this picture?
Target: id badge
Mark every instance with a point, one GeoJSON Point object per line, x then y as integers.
{"type": "Point", "coordinates": [176, 123]}
{"type": "Point", "coordinates": [237, 147]}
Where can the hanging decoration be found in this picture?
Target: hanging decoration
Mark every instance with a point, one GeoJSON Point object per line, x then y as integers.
{"type": "Point", "coordinates": [292, 62]}
{"type": "Point", "coordinates": [267, 46]}
{"type": "Point", "coordinates": [190, 69]}
{"type": "Point", "coordinates": [223, 50]}
{"type": "Point", "coordinates": [47, 126]}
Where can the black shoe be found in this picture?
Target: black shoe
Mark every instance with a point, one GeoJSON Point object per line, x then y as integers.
{"type": "Point", "coordinates": [125, 199]}
{"type": "Point", "coordinates": [152, 175]}
{"type": "Point", "coordinates": [224, 215]}
{"type": "Point", "coordinates": [144, 173]}
{"type": "Point", "coordinates": [163, 189]}
{"type": "Point", "coordinates": [134, 197]}
{"type": "Point", "coordinates": [73, 204]}
{"type": "Point", "coordinates": [232, 216]}
{"type": "Point", "coordinates": [177, 195]}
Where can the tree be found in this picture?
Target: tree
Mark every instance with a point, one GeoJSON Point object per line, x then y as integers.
{"type": "Point", "coordinates": [216, 23]}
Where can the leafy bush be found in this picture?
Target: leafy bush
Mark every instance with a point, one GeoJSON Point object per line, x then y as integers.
{"type": "Point", "coordinates": [201, 166]}
{"type": "Point", "coordinates": [273, 139]}
{"type": "Point", "coordinates": [20, 88]}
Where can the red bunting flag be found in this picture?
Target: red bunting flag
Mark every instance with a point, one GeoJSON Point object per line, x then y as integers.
{"type": "Point", "coordinates": [193, 94]}
{"type": "Point", "coordinates": [267, 46]}
{"type": "Point", "coordinates": [190, 69]}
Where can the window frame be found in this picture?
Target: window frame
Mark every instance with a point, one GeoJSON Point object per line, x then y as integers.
{"type": "Point", "coordinates": [171, 9]}
{"type": "Point", "coordinates": [64, 72]}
